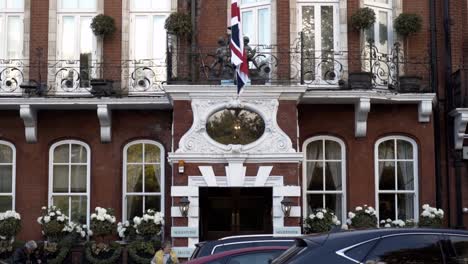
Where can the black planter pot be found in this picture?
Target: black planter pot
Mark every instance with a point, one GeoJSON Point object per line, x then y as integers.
{"type": "Point", "coordinates": [102, 88]}
{"type": "Point", "coordinates": [360, 80]}
{"type": "Point", "coordinates": [410, 84]}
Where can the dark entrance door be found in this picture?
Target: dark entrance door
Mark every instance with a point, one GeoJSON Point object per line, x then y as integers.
{"type": "Point", "coordinates": [235, 211]}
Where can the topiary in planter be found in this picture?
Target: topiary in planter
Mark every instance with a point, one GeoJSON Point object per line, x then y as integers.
{"type": "Point", "coordinates": [179, 24]}
{"type": "Point", "coordinates": [363, 19]}
{"type": "Point", "coordinates": [103, 25]}
{"type": "Point", "coordinates": [407, 24]}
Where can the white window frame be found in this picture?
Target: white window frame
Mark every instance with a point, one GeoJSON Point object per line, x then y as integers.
{"type": "Point", "coordinates": [61, 9]}
{"type": "Point", "coordinates": [161, 192]}
{"type": "Point", "coordinates": [148, 15]}
{"type": "Point", "coordinates": [415, 161]}
{"type": "Point", "coordinates": [5, 13]}
{"type": "Point", "coordinates": [77, 17]}
{"type": "Point", "coordinates": [13, 173]}
{"type": "Point", "coordinates": [255, 7]}
{"type": "Point", "coordinates": [88, 176]}
{"type": "Point", "coordinates": [323, 192]}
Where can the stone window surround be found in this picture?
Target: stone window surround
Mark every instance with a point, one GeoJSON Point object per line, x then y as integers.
{"type": "Point", "coordinates": [13, 174]}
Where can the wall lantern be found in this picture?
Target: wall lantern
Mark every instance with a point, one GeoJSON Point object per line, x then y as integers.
{"type": "Point", "coordinates": [184, 206]}
{"type": "Point", "coordinates": [286, 205]}
{"type": "Point", "coordinates": [181, 166]}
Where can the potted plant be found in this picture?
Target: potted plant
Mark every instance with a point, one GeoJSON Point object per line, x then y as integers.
{"type": "Point", "coordinates": [148, 229]}
{"type": "Point", "coordinates": [405, 25]}
{"type": "Point", "coordinates": [10, 225]}
{"type": "Point", "coordinates": [320, 220]}
{"type": "Point", "coordinates": [102, 26]}
{"type": "Point", "coordinates": [360, 21]}
{"type": "Point", "coordinates": [362, 217]}
{"type": "Point", "coordinates": [179, 24]}
{"type": "Point", "coordinates": [431, 217]}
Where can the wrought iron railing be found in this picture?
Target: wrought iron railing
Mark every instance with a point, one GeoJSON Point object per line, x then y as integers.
{"type": "Point", "coordinates": [11, 75]}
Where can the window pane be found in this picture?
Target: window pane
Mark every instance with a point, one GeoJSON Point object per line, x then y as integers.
{"type": "Point", "coordinates": [326, 13]}
{"type": "Point", "coordinates": [258, 258]}
{"type": "Point", "coordinates": [405, 206]}
{"type": "Point", "coordinates": [248, 26]}
{"type": "Point", "coordinates": [387, 149]}
{"type": "Point", "coordinates": [60, 176]}
{"type": "Point", "coordinates": [86, 36]}
{"type": "Point", "coordinates": [134, 178]}
{"type": "Point", "coordinates": [264, 26]}
{"type": "Point", "coordinates": [69, 3]}
{"type": "Point", "coordinates": [88, 4]}
{"type": "Point", "coordinates": [314, 175]}
{"type": "Point", "coordinates": [383, 31]}
{"type": "Point", "coordinates": [360, 252]}
{"type": "Point", "coordinates": [14, 43]}
{"type": "Point", "coordinates": [14, 4]}
{"type": "Point", "coordinates": [407, 249]}
{"type": "Point", "coordinates": [61, 154]}
{"type": "Point", "coordinates": [164, 5]}
{"type": "Point", "coordinates": [460, 245]}
{"type": "Point", "coordinates": [6, 154]}
{"type": "Point", "coordinates": [141, 38]}
{"type": "Point", "coordinates": [387, 206]}
{"type": "Point", "coordinates": [405, 175]}
{"type": "Point", "coordinates": [79, 208]}
{"type": "Point", "coordinates": [62, 202]}
{"type": "Point", "coordinates": [68, 38]}
{"type": "Point", "coordinates": [2, 3]}
{"type": "Point", "coordinates": [153, 202]}
{"type": "Point", "coordinates": [2, 33]}
{"type": "Point", "coordinates": [134, 206]}
{"type": "Point", "coordinates": [5, 179]}
{"type": "Point", "coordinates": [386, 175]}
{"type": "Point", "coordinates": [140, 4]}
{"type": "Point", "coordinates": [152, 178]}
{"type": "Point", "coordinates": [332, 150]}
{"type": "Point", "coordinates": [6, 203]}
{"type": "Point", "coordinates": [308, 27]}
{"type": "Point", "coordinates": [78, 178]}
{"type": "Point", "coordinates": [135, 153]}
{"type": "Point", "coordinates": [333, 202]}
{"type": "Point", "coordinates": [333, 176]}
{"type": "Point", "coordinates": [78, 154]}
{"type": "Point", "coordinates": [314, 201]}
{"type": "Point", "coordinates": [152, 153]}
{"type": "Point", "coordinates": [159, 37]}
{"type": "Point", "coordinates": [405, 150]}
{"type": "Point", "coordinates": [315, 150]}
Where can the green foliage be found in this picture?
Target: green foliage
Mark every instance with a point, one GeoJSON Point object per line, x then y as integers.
{"type": "Point", "coordinates": [407, 24]}
{"type": "Point", "coordinates": [141, 252]}
{"type": "Point", "coordinates": [430, 222]}
{"type": "Point", "coordinates": [319, 221]}
{"type": "Point", "coordinates": [179, 24]}
{"type": "Point", "coordinates": [110, 257]}
{"type": "Point", "coordinates": [9, 227]}
{"type": "Point", "coordinates": [103, 25]}
{"type": "Point", "coordinates": [363, 19]}
{"type": "Point", "coordinates": [362, 217]}
{"type": "Point", "coordinates": [103, 222]}
{"type": "Point", "coordinates": [53, 223]}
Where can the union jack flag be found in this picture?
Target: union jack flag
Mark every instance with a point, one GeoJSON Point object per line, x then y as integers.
{"type": "Point", "coordinates": [238, 54]}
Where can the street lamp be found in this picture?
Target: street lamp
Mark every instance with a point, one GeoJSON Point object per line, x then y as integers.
{"type": "Point", "coordinates": [286, 205]}
{"type": "Point", "coordinates": [184, 206]}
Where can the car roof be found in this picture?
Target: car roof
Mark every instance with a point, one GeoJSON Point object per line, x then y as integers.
{"type": "Point", "coordinates": [234, 252]}
{"type": "Point", "coordinates": [246, 238]}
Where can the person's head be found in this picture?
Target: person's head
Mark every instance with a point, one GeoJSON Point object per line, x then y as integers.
{"type": "Point", "coordinates": [30, 246]}
{"type": "Point", "coordinates": [167, 246]}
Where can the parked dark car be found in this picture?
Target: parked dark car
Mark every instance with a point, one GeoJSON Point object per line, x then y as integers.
{"type": "Point", "coordinates": [379, 246]}
{"type": "Point", "coordinates": [237, 242]}
{"type": "Point", "coordinates": [253, 255]}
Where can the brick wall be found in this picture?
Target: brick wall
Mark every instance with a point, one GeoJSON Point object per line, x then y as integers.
{"type": "Point", "coordinates": [39, 35]}
{"type": "Point", "coordinates": [112, 51]}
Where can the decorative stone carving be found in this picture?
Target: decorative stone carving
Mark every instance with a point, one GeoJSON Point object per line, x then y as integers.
{"type": "Point", "coordinates": [197, 141]}
{"type": "Point", "coordinates": [29, 116]}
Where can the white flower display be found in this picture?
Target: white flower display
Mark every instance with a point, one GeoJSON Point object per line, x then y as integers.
{"type": "Point", "coordinates": [320, 215]}
{"type": "Point", "coordinates": [149, 224]}
{"type": "Point", "coordinates": [363, 217]}
{"type": "Point", "coordinates": [320, 220]}
{"type": "Point", "coordinates": [122, 228]}
{"type": "Point", "coordinates": [9, 214]}
{"type": "Point", "coordinates": [102, 215]}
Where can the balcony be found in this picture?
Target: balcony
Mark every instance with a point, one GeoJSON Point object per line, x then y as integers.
{"type": "Point", "coordinates": [300, 64]}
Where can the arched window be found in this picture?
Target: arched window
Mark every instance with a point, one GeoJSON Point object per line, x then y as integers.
{"type": "Point", "coordinates": [69, 179]}
{"type": "Point", "coordinates": [324, 175]}
{"type": "Point", "coordinates": [7, 176]}
{"type": "Point", "coordinates": [396, 182]}
{"type": "Point", "coordinates": [143, 181]}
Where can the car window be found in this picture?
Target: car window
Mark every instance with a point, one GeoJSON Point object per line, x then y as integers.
{"type": "Point", "coordinates": [406, 249]}
{"type": "Point", "coordinates": [264, 257]}
{"type": "Point", "coordinates": [361, 251]}
{"type": "Point", "coordinates": [239, 245]}
{"type": "Point", "coordinates": [215, 262]}
{"type": "Point", "coordinates": [460, 246]}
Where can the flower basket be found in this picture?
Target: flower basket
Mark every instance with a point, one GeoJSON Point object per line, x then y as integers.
{"type": "Point", "coordinates": [149, 226]}
{"type": "Point", "coordinates": [431, 217]}
{"type": "Point", "coordinates": [320, 220]}
{"type": "Point", "coordinates": [362, 217]}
